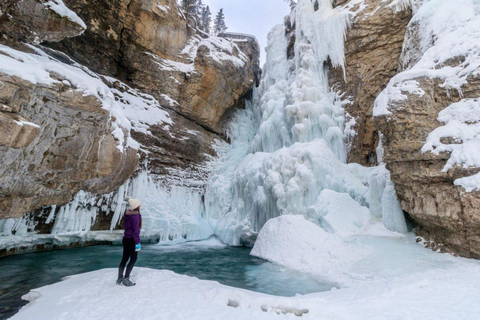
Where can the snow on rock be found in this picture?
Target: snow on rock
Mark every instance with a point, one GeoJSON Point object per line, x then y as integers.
{"type": "Point", "coordinates": [220, 50]}
{"type": "Point", "coordinates": [443, 43]}
{"type": "Point", "coordinates": [165, 9]}
{"type": "Point", "coordinates": [59, 7]}
{"type": "Point", "coordinates": [130, 108]}
{"type": "Point", "coordinates": [170, 65]}
{"type": "Point", "coordinates": [39, 68]}
{"type": "Point", "coordinates": [446, 29]}
{"type": "Point", "coordinates": [141, 109]}
{"type": "Point", "coordinates": [462, 123]}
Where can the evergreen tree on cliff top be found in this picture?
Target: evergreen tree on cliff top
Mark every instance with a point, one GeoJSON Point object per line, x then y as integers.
{"type": "Point", "coordinates": [219, 23]}
{"type": "Point", "coordinates": [205, 19]}
{"type": "Point", "coordinates": [191, 8]}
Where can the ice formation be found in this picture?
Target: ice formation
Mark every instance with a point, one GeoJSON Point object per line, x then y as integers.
{"type": "Point", "coordinates": [297, 154]}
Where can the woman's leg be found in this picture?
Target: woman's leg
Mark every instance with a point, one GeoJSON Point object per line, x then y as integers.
{"type": "Point", "coordinates": [126, 255]}
{"type": "Point", "coordinates": [133, 258]}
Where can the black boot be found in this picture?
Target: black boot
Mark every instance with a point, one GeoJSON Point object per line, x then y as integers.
{"type": "Point", "coordinates": [127, 283]}
{"type": "Point", "coordinates": [119, 280]}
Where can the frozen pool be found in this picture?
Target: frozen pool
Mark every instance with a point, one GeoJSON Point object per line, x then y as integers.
{"type": "Point", "coordinates": [209, 260]}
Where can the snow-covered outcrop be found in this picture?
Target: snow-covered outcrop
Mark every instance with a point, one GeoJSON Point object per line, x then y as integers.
{"type": "Point", "coordinates": [428, 115]}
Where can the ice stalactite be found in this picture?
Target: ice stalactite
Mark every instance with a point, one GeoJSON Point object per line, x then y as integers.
{"type": "Point", "coordinates": [173, 213]}
{"type": "Point", "coordinates": [170, 213]}
{"type": "Point", "coordinates": [295, 162]}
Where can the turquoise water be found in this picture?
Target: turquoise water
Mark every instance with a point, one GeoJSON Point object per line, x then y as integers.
{"type": "Point", "coordinates": [232, 266]}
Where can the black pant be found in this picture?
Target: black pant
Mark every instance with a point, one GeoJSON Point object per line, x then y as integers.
{"type": "Point", "coordinates": [128, 253]}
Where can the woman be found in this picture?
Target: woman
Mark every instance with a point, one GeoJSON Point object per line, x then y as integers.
{"type": "Point", "coordinates": [131, 241]}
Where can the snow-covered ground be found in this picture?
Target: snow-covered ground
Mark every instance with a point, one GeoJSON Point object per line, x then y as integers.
{"type": "Point", "coordinates": [390, 277]}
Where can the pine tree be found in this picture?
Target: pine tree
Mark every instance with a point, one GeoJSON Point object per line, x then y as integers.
{"type": "Point", "coordinates": [219, 23]}
{"type": "Point", "coordinates": [191, 8]}
{"type": "Point", "coordinates": [205, 19]}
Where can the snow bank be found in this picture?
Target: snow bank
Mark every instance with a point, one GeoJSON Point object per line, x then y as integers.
{"type": "Point", "coordinates": [426, 294]}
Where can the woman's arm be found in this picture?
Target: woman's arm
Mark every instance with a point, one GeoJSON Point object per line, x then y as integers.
{"type": "Point", "coordinates": [136, 228]}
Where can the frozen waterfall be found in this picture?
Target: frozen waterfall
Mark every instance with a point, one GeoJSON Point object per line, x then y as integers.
{"type": "Point", "coordinates": [295, 160]}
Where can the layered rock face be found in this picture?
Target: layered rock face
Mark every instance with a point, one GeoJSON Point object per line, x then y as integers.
{"type": "Point", "coordinates": [382, 52]}
{"type": "Point", "coordinates": [152, 46]}
{"type": "Point", "coordinates": [446, 216]}
{"type": "Point", "coordinates": [54, 141]}
{"type": "Point", "coordinates": [428, 115]}
{"type": "Point", "coordinates": [64, 145]}
{"type": "Point", "coordinates": [153, 85]}
{"type": "Point", "coordinates": [373, 45]}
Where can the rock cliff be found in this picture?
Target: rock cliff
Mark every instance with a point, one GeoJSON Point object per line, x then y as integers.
{"type": "Point", "coordinates": [373, 44]}
{"type": "Point", "coordinates": [93, 93]}
{"type": "Point", "coordinates": [412, 60]}
{"type": "Point", "coordinates": [428, 115]}
{"type": "Point", "coordinates": [406, 65]}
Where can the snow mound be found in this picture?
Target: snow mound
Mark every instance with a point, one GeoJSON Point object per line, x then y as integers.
{"type": "Point", "coordinates": [339, 213]}
{"type": "Point", "coordinates": [294, 242]}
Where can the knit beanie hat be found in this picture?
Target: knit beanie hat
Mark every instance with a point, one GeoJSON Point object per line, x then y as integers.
{"type": "Point", "coordinates": [134, 203]}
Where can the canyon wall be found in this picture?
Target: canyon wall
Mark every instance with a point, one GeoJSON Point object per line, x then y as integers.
{"type": "Point", "coordinates": [95, 92]}
{"type": "Point", "coordinates": [409, 76]}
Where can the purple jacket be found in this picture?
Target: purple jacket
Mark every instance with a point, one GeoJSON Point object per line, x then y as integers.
{"type": "Point", "coordinates": [132, 220]}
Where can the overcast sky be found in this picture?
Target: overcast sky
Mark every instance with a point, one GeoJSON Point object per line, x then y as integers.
{"type": "Point", "coordinates": [255, 17]}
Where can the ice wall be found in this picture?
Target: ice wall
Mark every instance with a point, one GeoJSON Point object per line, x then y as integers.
{"type": "Point", "coordinates": [295, 161]}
